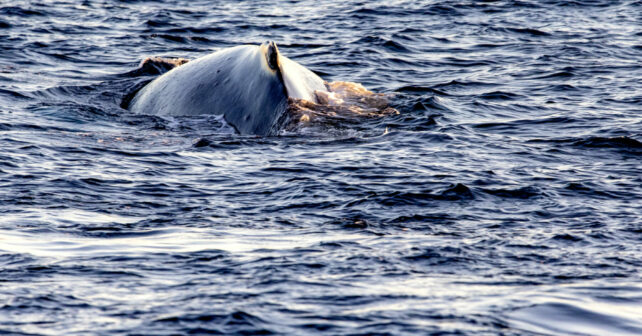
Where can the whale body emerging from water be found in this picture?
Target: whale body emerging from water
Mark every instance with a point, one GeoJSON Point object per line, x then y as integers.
{"type": "Point", "coordinates": [249, 85]}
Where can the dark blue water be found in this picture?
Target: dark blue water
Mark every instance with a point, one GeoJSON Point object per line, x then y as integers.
{"type": "Point", "coordinates": [504, 198]}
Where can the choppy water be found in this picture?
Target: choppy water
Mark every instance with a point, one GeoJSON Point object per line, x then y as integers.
{"type": "Point", "coordinates": [505, 198]}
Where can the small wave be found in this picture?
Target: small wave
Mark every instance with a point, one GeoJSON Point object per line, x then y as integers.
{"type": "Point", "coordinates": [462, 62]}
{"type": "Point", "coordinates": [499, 95]}
{"type": "Point", "coordinates": [430, 103]}
{"type": "Point", "coordinates": [622, 142]}
{"type": "Point", "coordinates": [236, 322]}
{"type": "Point", "coordinates": [520, 193]}
{"type": "Point", "coordinates": [457, 86]}
{"type": "Point", "coordinates": [457, 192]}
{"type": "Point", "coordinates": [438, 255]}
{"type": "Point", "coordinates": [441, 9]}
{"type": "Point", "coordinates": [572, 318]}
{"type": "Point", "coordinates": [157, 23]}
{"type": "Point", "coordinates": [557, 75]}
{"type": "Point", "coordinates": [420, 89]}
{"type": "Point", "coordinates": [527, 31]}
{"type": "Point", "coordinates": [13, 94]}
{"type": "Point", "coordinates": [625, 143]}
{"type": "Point", "coordinates": [521, 122]}
{"type": "Point", "coordinates": [592, 190]}
{"type": "Point", "coordinates": [18, 11]}
{"type": "Point", "coordinates": [197, 30]}
{"type": "Point", "coordinates": [390, 45]}
{"type": "Point", "coordinates": [168, 37]}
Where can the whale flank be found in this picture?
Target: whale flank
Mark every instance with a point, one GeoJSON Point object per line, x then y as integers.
{"type": "Point", "coordinates": [256, 89]}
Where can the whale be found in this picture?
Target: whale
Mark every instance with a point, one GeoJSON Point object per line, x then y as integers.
{"type": "Point", "coordinates": [249, 85]}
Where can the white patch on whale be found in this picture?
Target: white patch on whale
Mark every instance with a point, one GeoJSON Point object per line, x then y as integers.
{"type": "Point", "coordinates": [249, 85]}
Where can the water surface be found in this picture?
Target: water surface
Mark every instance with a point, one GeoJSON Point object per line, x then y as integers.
{"type": "Point", "coordinates": [504, 198]}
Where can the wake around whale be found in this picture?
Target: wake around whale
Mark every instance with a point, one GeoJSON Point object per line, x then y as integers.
{"type": "Point", "coordinates": [255, 88]}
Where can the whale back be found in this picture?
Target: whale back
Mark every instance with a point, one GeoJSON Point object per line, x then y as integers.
{"type": "Point", "coordinates": [249, 85]}
{"type": "Point", "coordinates": [300, 82]}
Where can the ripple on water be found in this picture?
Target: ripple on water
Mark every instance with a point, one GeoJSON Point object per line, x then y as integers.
{"type": "Point", "coordinates": [503, 198]}
{"type": "Point", "coordinates": [571, 317]}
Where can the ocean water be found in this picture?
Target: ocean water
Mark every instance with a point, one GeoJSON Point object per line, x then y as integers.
{"type": "Point", "coordinates": [505, 197]}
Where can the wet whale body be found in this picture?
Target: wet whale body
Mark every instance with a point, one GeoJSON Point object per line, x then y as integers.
{"type": "Point", "coordinates": [249, 85]}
